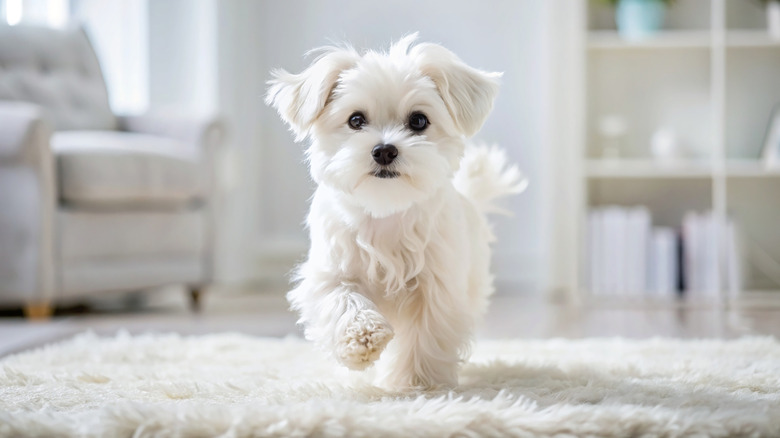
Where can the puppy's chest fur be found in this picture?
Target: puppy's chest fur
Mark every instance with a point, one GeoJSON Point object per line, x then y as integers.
{"type": "Point", "coordinates": [388, 258]}
{"type": "Point", "coordinates": [393, 251]}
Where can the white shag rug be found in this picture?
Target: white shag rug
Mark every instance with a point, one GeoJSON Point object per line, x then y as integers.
{"type": "Point", "coordinates": [234, 385]}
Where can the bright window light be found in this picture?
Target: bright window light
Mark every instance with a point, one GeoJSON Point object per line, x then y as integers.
{"type": "Point", "coordinates": [13, 12]}
{"type": "Point", "coordinates": [57, 12]}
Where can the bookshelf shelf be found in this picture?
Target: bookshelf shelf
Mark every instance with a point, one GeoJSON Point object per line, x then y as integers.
{"type": "Point", "coordinates": [647, 169]}
{"type": "Point", "coordinates": [650, 169]}
{"type": "Point", "coordinates": [750, 169]}
{"type": "Point", "coordinates": [611, 40]}
{"type": "Point", "coordinates": [750, 39]}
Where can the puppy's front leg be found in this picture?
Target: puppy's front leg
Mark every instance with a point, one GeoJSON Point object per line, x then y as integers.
{"type": "Point", "coordinates": [346, 322]}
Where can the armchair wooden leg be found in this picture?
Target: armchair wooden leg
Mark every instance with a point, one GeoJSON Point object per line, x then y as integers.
{"type": "Point", "coordinates": [196, 294]}
{"type": "Point", "coordinates": [38, 311]}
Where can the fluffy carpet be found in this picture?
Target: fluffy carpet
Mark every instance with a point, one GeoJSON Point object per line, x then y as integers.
{"type": "Point", "coordinates": [234, 385]}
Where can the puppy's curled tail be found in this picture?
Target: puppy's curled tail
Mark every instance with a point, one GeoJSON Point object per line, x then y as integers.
{"type": "Point", "coordinates": [485, 175]}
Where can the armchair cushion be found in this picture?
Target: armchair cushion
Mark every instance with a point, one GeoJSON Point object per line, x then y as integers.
{"type": "Point", "coordinates": [122, 169]}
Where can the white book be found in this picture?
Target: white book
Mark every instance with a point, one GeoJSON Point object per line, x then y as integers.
{"type": "Point", "coordinates": [671, 267]}
{"type": "Point", "coordinates": [631, 247]}
{"type": "Point", "coordinates": [734, 275]}
{"type": "Point", "coordinates": [613, 232]}
{"type": "Point", "coordinates": [621, 262]}
{"type": "Point", "coordinates": [662, 276]}
{"type": "Point", "coordinates": [691, 252]}
{"type": "Point", "coordinates": [594, 251]}
{"type": "Point", "coordinates": [607, 252]}
{"type": "Point", "coordinates": [646, 227]}
{"type": "Point", "coordinates": [625, 253]}
{"type": "Point", "coordinates": [603, 256]}
{"type": "Point", "coordinates": [712, 242]}
{"type": "Point", "coordinates": [638, 229]}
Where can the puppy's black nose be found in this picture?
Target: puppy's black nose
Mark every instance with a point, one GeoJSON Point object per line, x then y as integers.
{"type": "Point", "coordinates": [384, 154]}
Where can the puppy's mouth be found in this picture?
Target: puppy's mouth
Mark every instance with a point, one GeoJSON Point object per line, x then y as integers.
{"type": "Point", "coordinates": [386, 174]}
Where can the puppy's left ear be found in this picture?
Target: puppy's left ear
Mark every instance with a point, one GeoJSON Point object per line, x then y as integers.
{"type": "Point", "coordinates": [300, 98]}
{"type": "Point", "coordinates": [467, 92]}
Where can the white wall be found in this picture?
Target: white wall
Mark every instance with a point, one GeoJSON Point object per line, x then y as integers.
{"type": "Point", "coordinates": [202, 57]}
{"type": "Point", "coordinates": [500, 35]}
{"type": "Point", "coordinates": [183, 54]}
{"type": "Point", "coordinates": [119, 33]}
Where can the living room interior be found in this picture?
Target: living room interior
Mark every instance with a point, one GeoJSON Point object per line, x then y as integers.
{"type": "Point", "coordinates": [151, 200]}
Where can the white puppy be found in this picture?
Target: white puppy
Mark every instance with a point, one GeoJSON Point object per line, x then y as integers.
{"type": "Point", "coordinates": [399, 239]}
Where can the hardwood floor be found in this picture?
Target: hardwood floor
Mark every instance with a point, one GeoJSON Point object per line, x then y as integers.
{"type": "Point", "coordinates": [262, 311]}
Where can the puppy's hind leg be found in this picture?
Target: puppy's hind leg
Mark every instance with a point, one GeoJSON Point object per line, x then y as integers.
{"type": "Point", "coordinates": [348, 323]}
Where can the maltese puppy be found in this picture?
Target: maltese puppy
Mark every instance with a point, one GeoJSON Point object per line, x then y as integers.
{"type": "Point", "coordinates": [399, 261]}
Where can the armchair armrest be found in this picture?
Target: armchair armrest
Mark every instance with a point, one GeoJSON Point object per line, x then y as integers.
{"type": "Point", "coordinates": [24, 132]}
{"type": "Point", "coordinates": [203, 133]}
{"type": "Point", "coordinates": [27, 204]}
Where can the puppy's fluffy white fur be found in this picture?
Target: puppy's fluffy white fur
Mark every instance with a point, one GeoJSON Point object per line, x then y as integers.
{"type": "Point", "coordinates": [398, 267]}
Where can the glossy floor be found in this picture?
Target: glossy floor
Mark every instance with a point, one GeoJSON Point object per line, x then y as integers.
{"type": "Point", "coordinates": [262, 311]}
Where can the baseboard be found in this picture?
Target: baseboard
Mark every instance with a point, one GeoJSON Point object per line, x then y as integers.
{"type": "Point", "coordinates": [516, 272]}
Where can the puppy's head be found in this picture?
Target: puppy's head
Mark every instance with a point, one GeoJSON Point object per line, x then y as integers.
{"type": "Point", "coordinates": [386, 129]}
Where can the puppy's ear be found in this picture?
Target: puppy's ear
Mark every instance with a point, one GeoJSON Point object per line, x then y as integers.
{"type": "Point", "coordinates": [468, 93]}
{"type": "Point", "coordinates": [300, 98]}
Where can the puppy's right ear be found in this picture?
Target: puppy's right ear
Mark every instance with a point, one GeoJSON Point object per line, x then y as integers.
{"type": "Point", "coordinates": [300, 98]}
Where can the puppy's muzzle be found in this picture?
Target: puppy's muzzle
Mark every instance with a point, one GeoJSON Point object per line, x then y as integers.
{"type": "Point", "coordinates": [384, 154]}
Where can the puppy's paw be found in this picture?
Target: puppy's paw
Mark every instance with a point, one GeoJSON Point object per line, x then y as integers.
{"type": "Point", "coordinates": [362, 340]}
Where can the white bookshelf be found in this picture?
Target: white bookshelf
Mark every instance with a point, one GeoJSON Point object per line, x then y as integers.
{"type": "Point", "coordinates": [744, 168]}
{"type": "Point", "coordinates": [678, 39]}
{"type": "Point", "coordinates": [692, 169]}
{"type": "Point", "coordinates": [645, 169]}
{"type": "Point", "coordinates": [713, 76]}
{"type": "Point", "coordinates": [748, 38]}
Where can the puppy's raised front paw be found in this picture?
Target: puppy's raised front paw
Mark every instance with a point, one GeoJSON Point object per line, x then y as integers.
{"type": "Point", "coordinates": [363, 340]}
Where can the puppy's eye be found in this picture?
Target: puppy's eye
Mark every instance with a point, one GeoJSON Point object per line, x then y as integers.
{"type": "Point", "coordinates": [356, 121]}
{"type": "Point", "coordinates": [418, 122]}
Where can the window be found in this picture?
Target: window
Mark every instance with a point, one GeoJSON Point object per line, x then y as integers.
{"type": "Point", "coordinates": [49, 12]}
{"type": "Point", "coordinates": [118, 31]}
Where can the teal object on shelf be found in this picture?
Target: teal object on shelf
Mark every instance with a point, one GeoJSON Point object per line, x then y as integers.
{"type": "Point", "coordinates": [638, 19]}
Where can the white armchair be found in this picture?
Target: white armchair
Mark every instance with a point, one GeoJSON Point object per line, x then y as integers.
{"type": "Point", "coordinates": [91, 202]}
